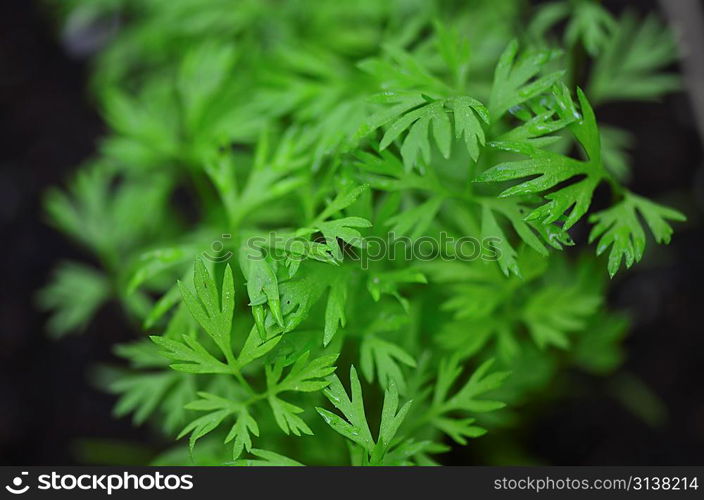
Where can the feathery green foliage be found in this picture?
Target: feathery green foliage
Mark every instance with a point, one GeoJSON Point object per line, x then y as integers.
{"type": "Point", "coordinates": [388, 185]}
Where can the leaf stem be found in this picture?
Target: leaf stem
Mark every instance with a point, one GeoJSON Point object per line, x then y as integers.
{"type": "Point", "coordinates": [234, 367]}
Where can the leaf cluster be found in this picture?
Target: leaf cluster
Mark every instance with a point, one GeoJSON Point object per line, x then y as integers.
{"type": "Point", "coordinates": [303, 133]}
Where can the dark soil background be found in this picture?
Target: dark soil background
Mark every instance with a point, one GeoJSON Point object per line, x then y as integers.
{"type": "Point", "coordinates": [47, 402]}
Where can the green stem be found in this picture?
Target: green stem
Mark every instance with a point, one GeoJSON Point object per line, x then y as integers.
{"type": "Point", "coordinates": [234, 366]}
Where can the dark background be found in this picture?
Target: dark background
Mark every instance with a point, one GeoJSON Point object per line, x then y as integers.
{"type": "Point", "coordinates": [48, 404]}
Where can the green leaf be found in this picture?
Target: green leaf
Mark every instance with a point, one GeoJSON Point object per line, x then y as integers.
{"type": "Point", "coordinates": [591, 24]}
{"type": "Point", "coordinates": [503, 251]}
{"type": "Point", "coordinates": [434, 114]}
{"type": "Point", "coordinates": [181, 322]}
{"type": "Point", "coordinates": [254, 347]}
{"type": "Point", "coordinates": [219, 409]}
{"type": "Point", "coordinates": [401, 102]}
{"type": "Point", "coordinates": [418, 123]}
{"type": "Point", "coordinates": [631, 63]}
{"type": "Point", "coordinates": [303, 376]}
{"type": "Point", "coordinates": [72, 311]}
{"type": "Point", "coordinates": [141, 354]}
{"type": "Point", "coordinates": [262, 287]}
{"type": "Point", "coordinates": [344, 199]}
{"type": "Point", "coordinates": [543, 116]}
{"type": "Point", "coordinates": [454, 49]}
{"type": "Point", "coordinates": [398, 70]}
{"type": "Point", "coordinates": [267, 458]}
{"type": "Point", "coordinates": [344, 230]}
{"type": "Point", "coordinates": [459, 429]}
{"type": "Point", "coordinates": [467, 127]}
{"type": "Point", "coordinates": [517, 80]}
{"type": "Point", "coordinates": [415, 220]}
{"type": "Point", "coordinates": [529, 231]}
{"type": "Point", "coordinates": [190, 355]}
{"type": "Point", "coordinates": [300, 294]}
{"type": "Point", "coordinates": [214, 313]}
{"type": "Point", "coordinates": [240, 433]}
{"type": "Point", "coordinates": [620, 228]}
{"type": "Point", "coordinates": [153, 262]}
{"type": "Point", "coordinates": [286, 416]}
{"type": "Point", "coordinates": [391, 416]}
{"type": "Point", "coordinates": [465, 399]}
{"type": "Point", "coordinates": [385, 357]}
{"type": "Point", "coordinates": [598, 348]}
{"type": "Point", "coordinates": [354, 426]}
{"type": "Point", "coordinates": [197, 90]}
{"type": "Point", "coordinates": [165, 303]}
{"type": "Point", "coordinates": [389, 282]}
{"type": "Point", "coordinates": [174, 404]}
{"type": "Point", "coordinates": [220, 167]}
{"type": "Point", "coordinates": [335, 310]}
{"type": "Point", "coordinates": [143, 119]}
{"type": "Point", "coordinates": [547, 170]}
{"type": "Point", "coordinates": [141, 393]}
{"type": "Point", "coordinates": [271, 177]}
{"type": "Point", "coordinates": [554, 311]}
